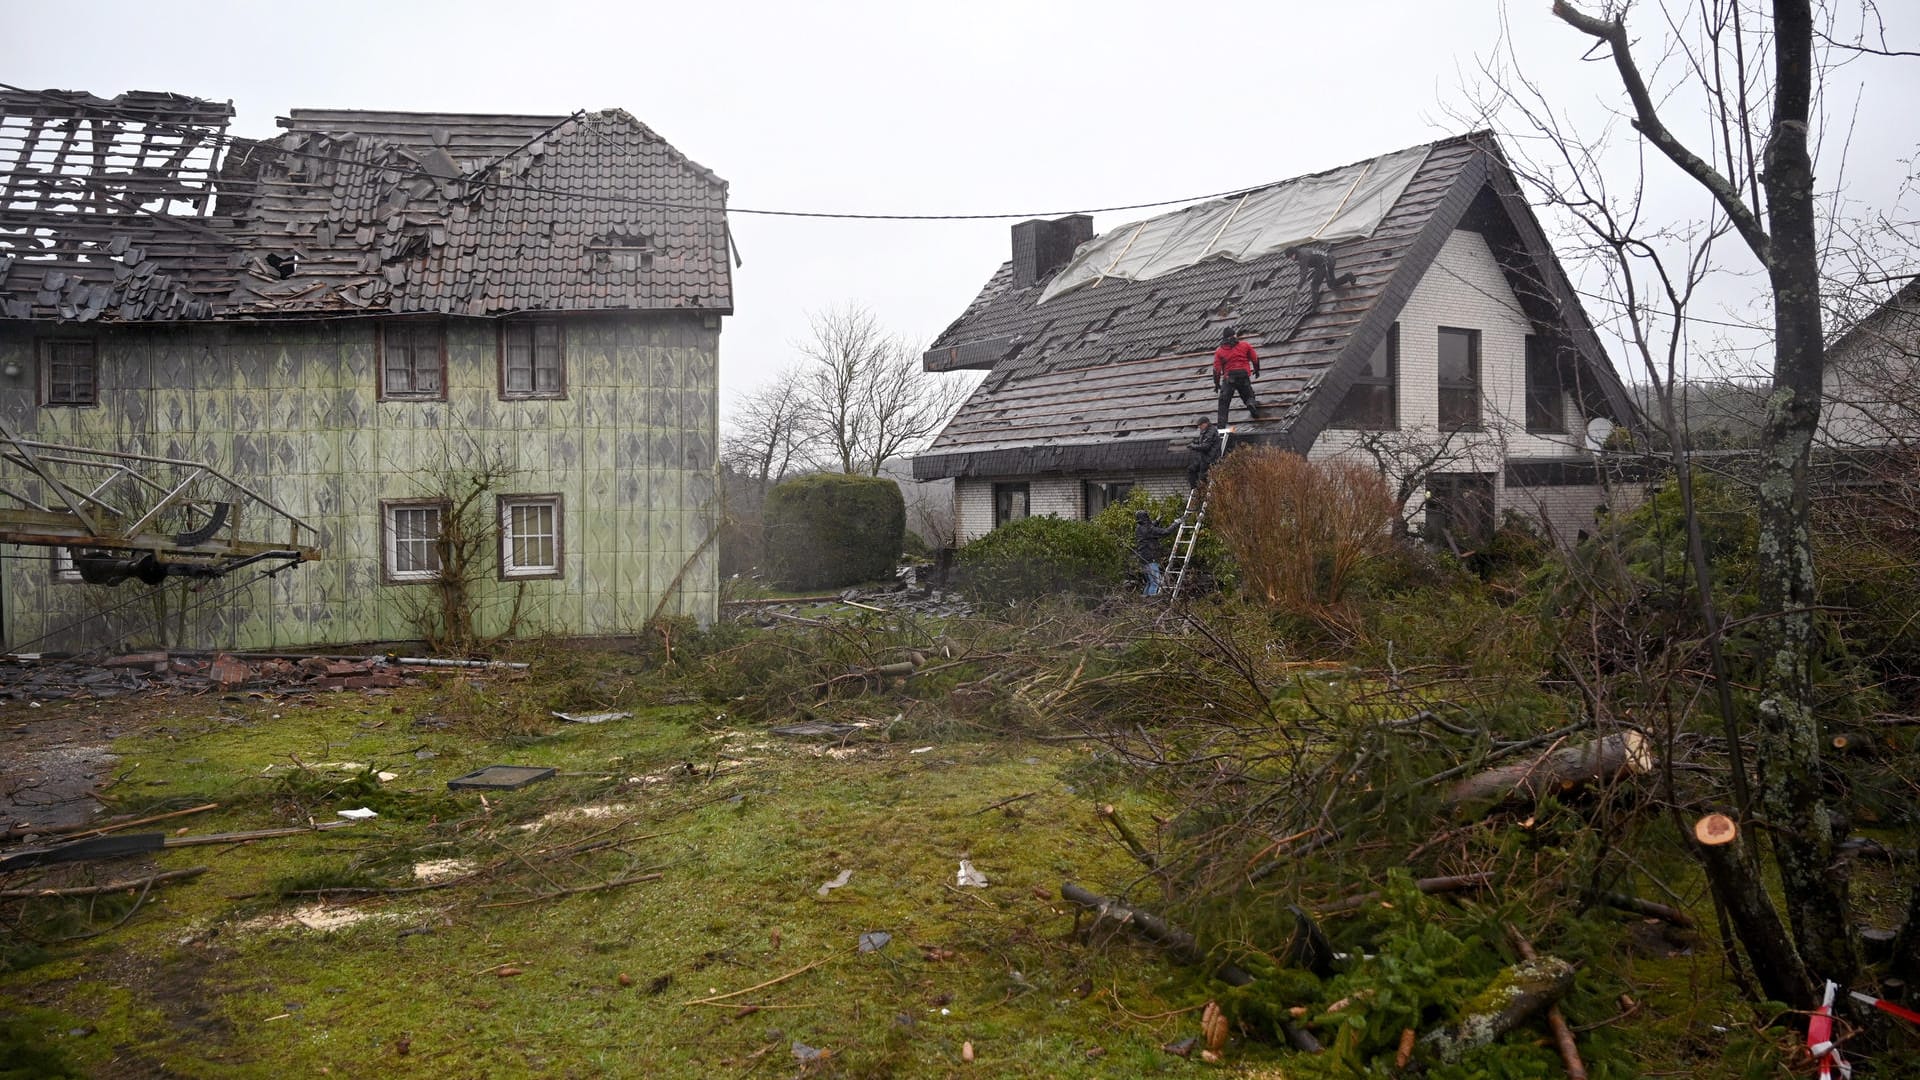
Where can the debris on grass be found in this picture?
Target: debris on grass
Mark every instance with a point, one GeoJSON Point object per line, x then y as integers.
{"type": "Point", "coordinates": [829, 886]}
{"type": "Point", "coordinates": [436, 870]}
{"type": "Point", "coordinates": [592, 718]}
{"type": "Point", "coordinates": [874, 940]}
{"type": "Point", "coordinates": [359, 813]}
{"type": "Point", "coordinates": [969, 878]}
{"type": "Point", "coordinates": [500, 778]}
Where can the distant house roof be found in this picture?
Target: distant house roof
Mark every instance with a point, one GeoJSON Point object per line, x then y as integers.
{"type": "Point", "coordinates": [142, 208]}
{"type": "Point", "coordinates": [1106, 375]}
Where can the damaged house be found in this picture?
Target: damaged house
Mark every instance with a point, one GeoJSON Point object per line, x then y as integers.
{"type": "Point", "coordinates": [340, 330]}
{"type": "Point", "coordinates": [1407, 310]}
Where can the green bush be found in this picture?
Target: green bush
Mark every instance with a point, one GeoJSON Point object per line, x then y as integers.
{"type": "Point", "coordinates": [1038, 556]}
{"type": "Point", "coordinates": [1211, 561]}
{"type": "Point", "coordinates": [834, 529]}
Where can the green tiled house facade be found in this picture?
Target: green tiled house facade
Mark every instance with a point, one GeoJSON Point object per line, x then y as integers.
{"type": "Point", "coordinates": [355, 319]}
{"type": "Point", "coordinates": [293, 410]}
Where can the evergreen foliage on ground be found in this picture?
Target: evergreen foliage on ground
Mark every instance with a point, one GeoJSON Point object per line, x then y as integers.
{"type": "Point", "coordinates": [834, 529]}
{"type": "Point", "coordinates": [1041, 556]}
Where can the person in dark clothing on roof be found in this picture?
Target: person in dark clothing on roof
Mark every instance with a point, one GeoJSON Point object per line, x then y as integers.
{"type": "Point", "coordinates": [1203, 451]}
{"type": "Point", "coordinates": [1146, 545]}
{"type": "Point", "coordinates": [1235, 366]}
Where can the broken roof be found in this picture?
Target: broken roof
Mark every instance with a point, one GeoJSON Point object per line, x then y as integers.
{"type": "Point", "coordinates": [142, 208]}
{"type": "Point", "coordinates": [1108, 375]}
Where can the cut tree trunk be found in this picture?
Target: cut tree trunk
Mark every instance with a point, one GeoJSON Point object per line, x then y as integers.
{"type": "Point", "coordinates": [1514, 996]}
{"type": "Point", "coordinates": [1559, 770]}
{"type": "Point", "coordinates": [1756, 922]}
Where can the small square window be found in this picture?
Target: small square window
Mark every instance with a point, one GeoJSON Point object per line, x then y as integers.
{"type": "Point", "coordinates": [413, 532]}
{"type": "Point", "coordinates": [1009, 503]}
{"type": "Point", "coordinates": [69, 373]}
{"type": "Point", "coordinates": [1459, 379]}
{"type": "Point", "coordinates": [532, 359]}
{"type": "Point", "coordinates": [61, 566]}
{"type": "Point", "coordinates": [530, 536]}
{"type": "Point", "coordinates": [413, 361]}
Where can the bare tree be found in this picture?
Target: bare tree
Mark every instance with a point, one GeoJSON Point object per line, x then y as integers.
{"type": "Point", "coordinates": [866, 393]}
{"type": "Point", "coordinates": [1752, 75]}
{"type": "Point", "coordinates": [767, 434]}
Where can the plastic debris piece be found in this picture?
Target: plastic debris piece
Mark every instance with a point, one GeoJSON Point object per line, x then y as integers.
{"type": "Point", "coordinates": [592, 718]}
{"type": "Point", "coordinates": [920, 750]}
{"type": "Point", "coordinates": [806, 1054]}
{"type": "Point", "coordinates": [969, 878]}
{"type": "Point", "coordinates": [386, 777]}
{"type": "Point", "coordinates": [827, 887]}
{"type": "Point", "coordinates": [874, 940]}
{"type": "Point", "coordinates": [359, 814]}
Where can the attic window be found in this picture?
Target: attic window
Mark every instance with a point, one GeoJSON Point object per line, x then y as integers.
{"type": "Point", "coordinates": [618, 252]}
{"type": "Point", "coordinates": [69, 372]}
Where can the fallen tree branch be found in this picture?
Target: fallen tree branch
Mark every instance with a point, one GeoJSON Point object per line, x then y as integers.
{"type": "Point", "coordinates": [1111, 816]}
{"type": "Point", "coordinates": [1556, 1020]}
{"type": "Point", "coordinates": [1649, 908]}
{"type": "Point", "coordinates": [577, 890]}
{"type": "Point", "coordinates": [764, 985]}
{"type": "Point", "coordinates": [76, 832]}
{"type": "Point", "coordinates": [102, 890]}
{"type": "Point", "coordinates": [1180, 946]}
{"type": "Point", "coordinates": [1560, 769]}
{"type": "Point", "coordinates": [1514, 996]}
{"type": "Point", "coordinates": [1429, 886]}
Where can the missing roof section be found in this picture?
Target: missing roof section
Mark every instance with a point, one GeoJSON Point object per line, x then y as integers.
{"type": "Point", "coordinates": [1344, 204]}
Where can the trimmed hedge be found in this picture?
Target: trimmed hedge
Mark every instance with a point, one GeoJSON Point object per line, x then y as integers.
{"type": "Point", "coordinates": [1036, 556]}
{"type": "Point", "coordinates": [833, 529]}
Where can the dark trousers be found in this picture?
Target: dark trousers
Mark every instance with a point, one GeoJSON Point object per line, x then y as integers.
{"type": "Point", "coordinates": [1236, 382]}
{"type": "Point", "coordinates": [1198, 462]}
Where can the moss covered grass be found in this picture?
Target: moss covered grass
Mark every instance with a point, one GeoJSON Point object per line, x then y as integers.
{"type": "Point", "coordinates": [212, 979]}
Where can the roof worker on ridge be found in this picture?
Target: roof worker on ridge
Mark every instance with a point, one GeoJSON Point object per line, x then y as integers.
{"type": "Point", "coordinates": [1232, 362]}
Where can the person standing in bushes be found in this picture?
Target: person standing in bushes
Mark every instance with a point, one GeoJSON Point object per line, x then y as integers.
{"type": "Point", "coordinates": [1202, 452]}
{"type": "Point", "coordinates": [1235, 366]}
{"type": "Point", "coordinates": [1146, 545]}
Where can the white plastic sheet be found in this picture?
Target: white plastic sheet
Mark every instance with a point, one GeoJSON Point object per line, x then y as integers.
{"type": "Point", "coordinates": [1345, 204]}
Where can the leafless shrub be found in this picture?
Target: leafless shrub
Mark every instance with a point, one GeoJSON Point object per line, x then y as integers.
{"type": "Point", "coordinates": [1301, 530]}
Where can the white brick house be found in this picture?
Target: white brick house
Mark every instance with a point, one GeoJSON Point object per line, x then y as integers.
{"type": "Point", "coordinates": [1436, 337]}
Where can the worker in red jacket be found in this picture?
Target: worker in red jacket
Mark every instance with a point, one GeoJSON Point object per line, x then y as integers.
{"type": "Point", "coordinates": [1235, 366]}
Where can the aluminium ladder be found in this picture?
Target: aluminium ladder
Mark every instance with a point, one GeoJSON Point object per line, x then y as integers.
{"type": "Point", "coordinates": [1181, 556]}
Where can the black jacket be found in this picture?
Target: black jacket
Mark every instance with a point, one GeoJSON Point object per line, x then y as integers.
{"type": "Point", "coordinates": [1206, 441]}
{"type": "Point", "coordinates": [1147, 537]}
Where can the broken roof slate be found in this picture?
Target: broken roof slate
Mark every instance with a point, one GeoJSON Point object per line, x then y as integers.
{"type": "Point", "coordinates": [367, 212]}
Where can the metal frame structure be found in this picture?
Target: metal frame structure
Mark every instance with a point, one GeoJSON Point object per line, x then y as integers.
{"type": "Point", "coordinates": [140, 515]}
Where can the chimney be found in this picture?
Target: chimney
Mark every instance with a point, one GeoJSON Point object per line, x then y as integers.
{"type": "Point", "coordinates": [1041, 247]}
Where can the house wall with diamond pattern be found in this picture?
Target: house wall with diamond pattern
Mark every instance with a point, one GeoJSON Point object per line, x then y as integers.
{"type": "Point", "coordinates": [622, 452]}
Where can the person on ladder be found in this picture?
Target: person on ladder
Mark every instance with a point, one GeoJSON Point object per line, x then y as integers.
{"type": "Point", "coordinates": [1235, 366]}
{"type": "Point", "coordinates": [1146, 545]}
{"type": "Point", "coordinates": [1203, 451]}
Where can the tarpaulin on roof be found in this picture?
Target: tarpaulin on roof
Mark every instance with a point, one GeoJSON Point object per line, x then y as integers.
{"type": "Point", "coordinates": [1344, 204]}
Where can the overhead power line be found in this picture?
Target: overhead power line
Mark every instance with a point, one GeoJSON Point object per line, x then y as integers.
{"type": "Point", "coordinates": [226, 140]}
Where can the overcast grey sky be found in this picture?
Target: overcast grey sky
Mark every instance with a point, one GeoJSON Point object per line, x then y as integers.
{"type": "Point", "coordinates": [980, 107]}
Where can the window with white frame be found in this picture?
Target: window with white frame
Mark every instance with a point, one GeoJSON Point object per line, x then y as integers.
{"type": "Point", "coordinates": [412, 533]}
{"type": "Point", "coordinates": [530, 536]}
